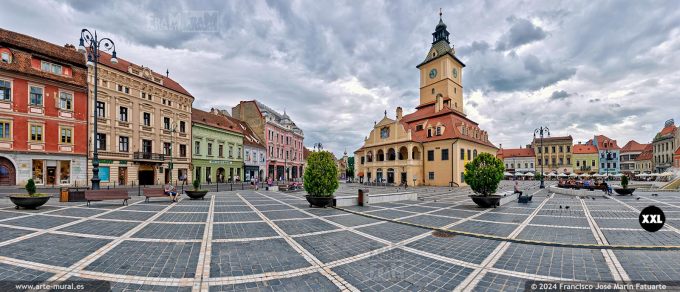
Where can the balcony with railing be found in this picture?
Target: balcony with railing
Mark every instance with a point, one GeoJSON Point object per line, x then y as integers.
{"type": "Point", "coordinates": [149, 156]}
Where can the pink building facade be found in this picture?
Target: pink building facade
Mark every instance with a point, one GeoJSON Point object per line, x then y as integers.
{"type": "Point", "coordinates": [284, 141]}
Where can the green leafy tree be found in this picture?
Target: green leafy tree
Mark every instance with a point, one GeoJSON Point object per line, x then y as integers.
{"type": "Point", "coordinates": [30, 187]}
{"type": "Point", "coordinates": [321, 174]}
{"type": "Point", "coordinates": [196, 185]}
{"type": "Point", "coordinates": [484, 174]}
{"type": "Point", "coordinates": [624, 182]}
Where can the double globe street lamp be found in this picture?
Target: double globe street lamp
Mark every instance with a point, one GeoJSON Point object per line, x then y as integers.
{"type": "Point", "coordinates": [541, 131]}
{"type": "Point", "coordinates": [90, 44]}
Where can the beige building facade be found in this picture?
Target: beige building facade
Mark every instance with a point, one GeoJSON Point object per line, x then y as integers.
{"type": "Point", "coordinates": [431, 145]}
{"type": "Point", "coordinates": [144, 125]}
{"type": "Point", "coordinates": [554, 155]}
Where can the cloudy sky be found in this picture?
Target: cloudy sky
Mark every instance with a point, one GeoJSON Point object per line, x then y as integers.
{"type": "Point", "coordinates": [578, 67]}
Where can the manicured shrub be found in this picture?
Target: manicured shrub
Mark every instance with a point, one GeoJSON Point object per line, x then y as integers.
{"type": "Point", "coordinates": [484, 173]}
{"type": "Point", "coordinates": [321, 178]}
{"type": "Point", "coordinates": [30, 187]}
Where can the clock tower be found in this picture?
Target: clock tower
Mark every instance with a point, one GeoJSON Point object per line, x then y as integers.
{"type": "Point", "coordinates": [441, 73]}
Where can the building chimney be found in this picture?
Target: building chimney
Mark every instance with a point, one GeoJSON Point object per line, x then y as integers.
{"type": "Point", "coordinates": [70, 46]}
{"type": "Point", "coordinates": [439, 103]}
{"type": "Point", "coordinates": [399, 113]}
{"type": "Point", "coordinates": [500, 146]}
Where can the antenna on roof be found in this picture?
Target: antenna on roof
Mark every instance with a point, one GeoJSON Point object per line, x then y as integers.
{"type": "Point", "coordinates": [440, 13]}
{"type": "Point", "coordinates": [167, 72]}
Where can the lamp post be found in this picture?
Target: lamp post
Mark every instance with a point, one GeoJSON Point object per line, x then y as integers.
{"type": "Point", "coordinates": [541, 131]}
{"type": "Point", "coordinates": [93, 45]}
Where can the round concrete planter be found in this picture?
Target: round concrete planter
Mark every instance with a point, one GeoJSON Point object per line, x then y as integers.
{"type": "Point", "coordinates": [486, 201]}
{"type": "Point", "coordinates": [29, 202]}
{"type": "Point", "coordinates": [624, 192]}
{"type": "Point", "coordinates": [322, 202]}
{"type": "Point", "coordinates": [195, 195]}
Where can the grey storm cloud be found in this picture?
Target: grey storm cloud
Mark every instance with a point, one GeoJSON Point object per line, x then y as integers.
{"type": "Point", "coordinates": [560, 94]}
{"type": "Point", "coordinates": [335, 66]}
{"type": "Point", "coordinates": [520, 33]}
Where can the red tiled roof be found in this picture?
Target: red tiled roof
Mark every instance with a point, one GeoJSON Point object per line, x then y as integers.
{"type": "Point", "coordinates": [521, 152]}
{"type": "Point", "coordinates": [611, 143]}
{"type": "Point", "coordinates": [677, 152]}
{"type": "Point", "coordinates": [583, 149]}
{"type": "Point", "coordinates": [646, 154]}
{"type": "Point", "coordinates": [214, 120]}
{"type": "Point", "coordinates": [667, 130]}
{"type": "Point", "coordinates": [24, 48]}
{"type": "Point", "coordinates": [633, 146]}
{"type": "Point", "coordinates": [447, 117]}
{"type": "Point", "coordinates": [123, 66]}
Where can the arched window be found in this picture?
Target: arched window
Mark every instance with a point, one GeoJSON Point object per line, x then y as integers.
{"type": "Point", "coordinates": [474, 154]}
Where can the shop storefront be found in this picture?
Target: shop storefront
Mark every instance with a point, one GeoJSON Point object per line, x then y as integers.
{"type": "Point", "coordinates": [222, 171]}
{"type": "Point", "coordinates": [45, 170]}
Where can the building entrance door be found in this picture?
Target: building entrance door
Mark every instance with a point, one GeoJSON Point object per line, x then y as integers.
{"type": "Point", "coordinates": [7, 173]}
{"type": "Point", "coordinates": [146, 174]}
{"type": "Point", "coordinates": [122, 176]}
{"type": "Point", "coordinates": [390, 176]}
{"type": "Point", "coordinates": [403, 178]}
{"type": "Point", "coordinates": [51, 175]}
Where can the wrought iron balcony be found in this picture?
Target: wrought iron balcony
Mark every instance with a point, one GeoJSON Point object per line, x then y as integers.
{"type": "Point", "coordinates": [148, 156]}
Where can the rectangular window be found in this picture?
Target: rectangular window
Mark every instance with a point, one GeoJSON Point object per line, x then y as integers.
{"type": "Point", "coordinates": [38, 171]}
{"type": "Point", "coordinates": [231, 150]}
{"type": "Point", "coordinates": [430, 155]}
{"type": "Point", "coordinates": [553, 161]}
{"type": "Point", "coordinates": [101, 109]}
{"type": "Point", "coordinates": [539, 149]}
{"type": "Point", "coordinates": [462, 177]}
{"type": "Point", "coordinates": [593, 163]}
{"type": "Point", "coordinates": [5, 90]}
{"type": "Point", "coordinates": [429, 133]}
{"type": "Point", "coordinates": [36, 133]}
{"type": "Point", "coordinates": [123, 114]}
{"type": "Point", "coordinates": [553, 149]}
{"type": "Point", "coordinates": [36, 96]}
{"type": "Point", "coordinates": [540, 162]}
{"type": "Point", "coordinates": [166, 123]}
{"type": "Point", "coordinates": [65, 101]}
{"type": "Point", "coordinates": [568, 149]}
{"type": "Point", "coordinates": [147, 146]}
{"type": "Point", "coordinates": [439, 131]}
{"type": "Point", "coordinates": [560, 149]}
{"type": "Point", "coordinates": [208, 170]}
{"type": "Point", "coordinates": [167, 150]}
{"type": "Point", "coordinates": [182, 150]}
{"type": "Point", "coordinates": [197, 148]}
{"type": "Point", "coordinates": [462, 154]}
{"type": "Point", "coordinates": [123, 144]}
{"type": "Point", "coordinates": [5, 130]}
{"type": "Point", "coordinates": [45, 66]}
{"type": "Point", "coordinates": [568, 160]}
{"type": "Point", "coordinates": [430, 175]}
{"type": "Point", "coordinates": [101, 141]}
{"type": "Point", "coordinates": [66, 134]}
{"type": "Point", "coordinates": [5, 57]}
{"type": "Point", "coordinates": [210, 149]}
{"type": "Point", "coordinates": [64, 172]}
{"type": "Point", "coordinates": [239, 153]}
{"type": "Point", "coordinates": [220, 150]}
{"type": "Point", "coordinates": [419, 128]}
{"type": "Point", "coordinates": [182, 127]}
{"type": "Point", "coordinates": [147, 119]}
{"type": "Point", "coordinates": [445, 154]}
{"type": "Point", "coordinates": [56, 69]}
{"type": "Point", "coordinates": [469, 156]}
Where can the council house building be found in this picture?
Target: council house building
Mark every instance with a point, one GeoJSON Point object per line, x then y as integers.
{"type": "Point", "coordinates": [431, 145]}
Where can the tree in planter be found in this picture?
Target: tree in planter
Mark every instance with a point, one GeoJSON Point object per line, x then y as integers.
{"type": "Point", "coordinates": [30, 187]}
{"type": "Point", "coordinates": [624, 182]}
{"type": "Point", "coordinates": [321, 174]}
{"type": "Point", "coordinates": [484, 174]}
{"type": "Point", "coordinates": [196, 184]}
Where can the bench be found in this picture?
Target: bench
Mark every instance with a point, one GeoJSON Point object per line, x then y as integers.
{"type": "Point", "coordinates": [153, 193]}
{"type": "Point", "coordinates": [102, 195]}
{"type": "Point", "coordinates": [283, 187]}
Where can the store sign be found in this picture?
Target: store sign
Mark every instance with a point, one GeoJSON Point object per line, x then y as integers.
{"type": "Point", "coordinates": [122, 162]}
{"type": "Point", "coordinates": [220, 162]}
{"type": "Point", "coordinates": [107, 161]}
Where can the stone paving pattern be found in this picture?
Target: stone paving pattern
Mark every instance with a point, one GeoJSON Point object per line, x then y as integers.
{"type": "Point", "coordinates": [272, 241]}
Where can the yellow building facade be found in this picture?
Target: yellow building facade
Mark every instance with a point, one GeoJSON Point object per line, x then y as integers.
{"type": "Point", "coordinates": [431, 145]}
{"type": "Point", "coordinates": [585, 159]}
{"type": "Point", "coordinates": [554, 155]}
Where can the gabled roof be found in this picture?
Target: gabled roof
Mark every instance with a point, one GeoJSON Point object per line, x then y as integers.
{"type": "Point", "coordinates": [249, 137]}
{"type": "Point", "coordinates": [583, 149]}
{"type": "Point", "coordinates": [123, 66]}
{"type": "Point", "coordinates": [633, 146]}
{"type": "Point", "coordinates": [668, 130]}
{"type": "Point", "coordinates": [518, 152]}
{"type": "Point", "coordinates": [214, 120]}
{"type": "Point", "coordinates": [646, 154]}
{"type": "Point", "coordinates": [34, 45]}
{"type": "Point", "coordinates": [384, 121]}
{"type": "Point", "coordinates": [610, 145]}
{"type": "Point", "coordinates": [448, 118]}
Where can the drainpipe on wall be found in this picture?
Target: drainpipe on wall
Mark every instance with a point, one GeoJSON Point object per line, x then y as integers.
{"type": "Point", "coordinates": [451, 157]}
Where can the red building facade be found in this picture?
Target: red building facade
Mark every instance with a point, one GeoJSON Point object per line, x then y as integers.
{"type": "Point", "coordinates": [43, 106]}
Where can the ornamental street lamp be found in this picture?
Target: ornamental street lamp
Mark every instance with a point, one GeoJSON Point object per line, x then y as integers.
{"type": "Point", "coordinates": [92, 51]}
{"type": "Point", "coordinates": [541, 131]}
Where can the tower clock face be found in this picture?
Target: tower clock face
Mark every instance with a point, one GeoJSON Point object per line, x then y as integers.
{"type": "Point", "coordinates": [455, 73]}
{"type": "Point", "coordinates": [433, 73]}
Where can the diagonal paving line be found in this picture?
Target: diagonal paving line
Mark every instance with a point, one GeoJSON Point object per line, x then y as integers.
{"type": "Point", "coordinates": [309, 257]}
{"type": "Point", "coordinates": [610, 258]}
{"type": "Point", "coordinates": [638, 210]}
{"type": "Point", "coordinates": [473, 279]}
{"type": "Point", "coordinates": [77, 268]}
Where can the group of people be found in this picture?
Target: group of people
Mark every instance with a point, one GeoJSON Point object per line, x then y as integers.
{"type": "Point", "coordinates": [586, 184]}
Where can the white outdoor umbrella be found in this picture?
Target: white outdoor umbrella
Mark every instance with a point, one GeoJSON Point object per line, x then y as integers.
{"type": "Point", "coordinates": [598, 175]}
{"type": "Point", "coordinates": [667, 173]}
{"type": "Point", "coordinates": [563, 175]}
{"type": "Point", "coordinates": [528, 174]}
{"type": "Point", "coordinates": [507, 174]}
{"type": "Point", "coordinates": [618, 175]}
{"type": "Point", "coordinates": [584, 175]}
{"type": "Point", "coordinates": [552, 174]}
{"type": "Point", "coordinates": [573, 175]}
{"type": "Point", "coordinates": [519, 174]}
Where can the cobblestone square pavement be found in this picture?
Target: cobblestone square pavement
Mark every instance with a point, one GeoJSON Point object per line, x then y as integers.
{"type": "Point", "coordinates": [272, 241]}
